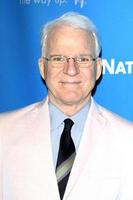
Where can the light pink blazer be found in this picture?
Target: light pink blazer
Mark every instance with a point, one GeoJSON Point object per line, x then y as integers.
{"type": "Point", "coordinates": [103, 169]}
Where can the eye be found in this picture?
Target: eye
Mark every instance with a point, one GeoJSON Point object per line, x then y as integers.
{"type": "Point", "coordinates": [84, 59]}
{"type": "Point", "coordinates": [57, 59]}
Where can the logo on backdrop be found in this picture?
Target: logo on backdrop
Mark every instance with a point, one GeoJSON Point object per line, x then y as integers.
{"type": "Point", "coordinates": [80, 3]}
{"type": "Point", "coordinates": [114, 67]}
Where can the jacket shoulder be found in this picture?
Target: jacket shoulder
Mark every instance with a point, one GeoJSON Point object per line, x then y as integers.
{"type": "Point", "coordinates": [113, 118]}
{"type": "Point", "coordinates": [15, 116]}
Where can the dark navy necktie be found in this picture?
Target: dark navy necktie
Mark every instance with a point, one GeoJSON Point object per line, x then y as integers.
{"type": "Point", "coordinates": [66, 156]}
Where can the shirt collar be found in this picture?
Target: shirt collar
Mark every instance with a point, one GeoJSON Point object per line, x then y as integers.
{"type": "Point", "coordinates": [57, 117]}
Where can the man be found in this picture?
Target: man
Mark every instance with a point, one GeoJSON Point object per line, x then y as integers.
{"type": "Point", "coordinates": [91, 157]}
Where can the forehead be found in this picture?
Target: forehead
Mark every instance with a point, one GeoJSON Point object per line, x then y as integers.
{"type": "Point", "coordinates": [71, 38]}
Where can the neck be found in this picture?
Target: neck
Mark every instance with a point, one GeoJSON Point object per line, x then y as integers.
{"type": "Point", "coordinates": [70, 109]}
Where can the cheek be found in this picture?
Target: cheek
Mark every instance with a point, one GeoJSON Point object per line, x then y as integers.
{"type": "Point", "coordinates": [48, 73]}
{"type": "Point", "coordinates": [89, 77]}
{"type": "Point", "coordinates": [89, 80]}
{"type": "Point", "coordinates": [51, 76]}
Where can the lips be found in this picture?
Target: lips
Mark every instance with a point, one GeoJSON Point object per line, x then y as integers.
{"type": "Point", "coordinates": [70, 82]}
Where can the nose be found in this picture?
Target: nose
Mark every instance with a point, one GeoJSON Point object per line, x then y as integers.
{"type": "Point", "coordinates": [71, 68]}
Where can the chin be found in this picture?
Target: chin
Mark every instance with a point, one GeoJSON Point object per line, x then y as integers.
{"type": "Point", "coordinates": [70, 101]}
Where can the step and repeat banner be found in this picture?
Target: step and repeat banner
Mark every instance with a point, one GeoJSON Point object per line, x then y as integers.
{"type": "Point", "coordinates": [20, 26]}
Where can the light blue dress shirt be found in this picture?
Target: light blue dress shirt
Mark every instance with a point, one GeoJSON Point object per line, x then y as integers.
{"type": "Point", "coordinates": [57, 124]}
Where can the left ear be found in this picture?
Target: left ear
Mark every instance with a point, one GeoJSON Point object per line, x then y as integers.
{"type": "Point", "coordinates": [98, 68]}
{"type": "Point", "coordinates": [41, 67]}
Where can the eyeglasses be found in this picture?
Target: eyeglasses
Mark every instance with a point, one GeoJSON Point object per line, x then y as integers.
{"type": "Point", "coordinates": [60, 60]}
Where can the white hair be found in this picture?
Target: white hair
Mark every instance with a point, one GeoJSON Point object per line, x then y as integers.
{"type": "Point", "coordinates": [74, 20]}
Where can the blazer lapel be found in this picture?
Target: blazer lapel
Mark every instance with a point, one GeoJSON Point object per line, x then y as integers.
{"type": "Point", "coordinates": [48, 167]}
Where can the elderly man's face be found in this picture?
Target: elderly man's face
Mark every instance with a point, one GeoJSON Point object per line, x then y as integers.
{"type": "Point", "coordinates": [70, 84]}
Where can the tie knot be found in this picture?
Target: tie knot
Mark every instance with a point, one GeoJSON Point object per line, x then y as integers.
{"type": "Point", "coordinates": [66, 139]}
{"type": "Point", "coordinates": [68, 124]}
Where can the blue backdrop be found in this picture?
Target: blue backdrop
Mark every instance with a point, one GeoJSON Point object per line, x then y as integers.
{"type": "Point", "coordinates": [20, 26]}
